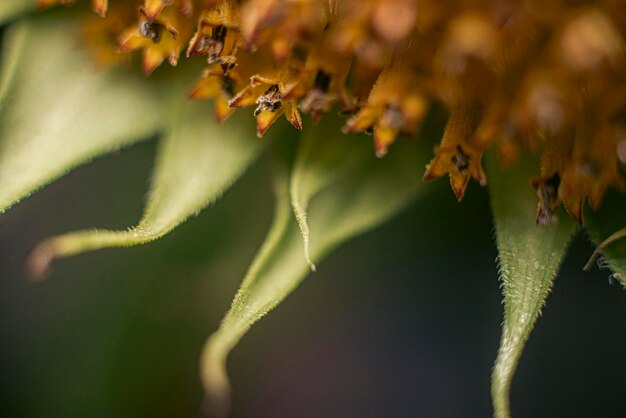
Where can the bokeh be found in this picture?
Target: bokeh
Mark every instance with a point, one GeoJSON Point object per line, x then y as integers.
{"type": "Point", "coordinates": [401, 322]}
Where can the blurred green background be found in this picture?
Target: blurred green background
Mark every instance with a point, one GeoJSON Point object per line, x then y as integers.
{"type": "Point", "coordinates": [403, 321]}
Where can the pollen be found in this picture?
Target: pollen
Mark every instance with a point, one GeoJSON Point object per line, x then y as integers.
{"type": "Point", "coordinates": [544, 77]}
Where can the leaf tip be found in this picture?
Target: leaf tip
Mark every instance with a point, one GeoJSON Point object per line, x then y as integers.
{"type": "Point", "coordinates": [217, 390]}
{"type": "Point", "coordinates": [39, 262]}
{"type": "Point", "coordinates": [608, 241]}
{"type": "Point", "coordinates": [215, 406]}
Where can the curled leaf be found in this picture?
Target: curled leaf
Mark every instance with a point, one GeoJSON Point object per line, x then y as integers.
{"type": "Point", "coordinates": [367, 196]}
{"type": "Point", "coordinates": [607, 229]}
{"type": "Point", "coordinates": [320, 161]}
{"type": "Point", "coordinates": [529, 257]}
{"type": "Point", "coordinates": [57, 111]}
{"type": "Point", "coordinates": [196, 163]}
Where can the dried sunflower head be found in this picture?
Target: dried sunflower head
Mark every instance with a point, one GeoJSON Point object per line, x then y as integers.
{"type": "Point", "coordinates": [539, 88]}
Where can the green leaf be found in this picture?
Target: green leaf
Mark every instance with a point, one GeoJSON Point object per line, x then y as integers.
{"type": "Point", "coordinates": [607, 227]}
{"type": "Point", "coordinates": [359, 201]}
{"type": "Point", "coordinates": [319, 162]}
{"type": "Point", "coordinates": [57, 111]}
{"type": "Point", "coordinates": [10, 9]}
{"type": "Point", "coordinates": [197, 161]}
{"type": "Point", "coordinates": [529, 257]}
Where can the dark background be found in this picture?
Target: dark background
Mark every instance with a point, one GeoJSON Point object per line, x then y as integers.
{"type": "Point", "coordinates": [403, 321]}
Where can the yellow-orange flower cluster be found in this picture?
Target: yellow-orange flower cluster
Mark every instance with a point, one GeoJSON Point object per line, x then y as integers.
{"type": "Point", "coordinates": [546, 75]}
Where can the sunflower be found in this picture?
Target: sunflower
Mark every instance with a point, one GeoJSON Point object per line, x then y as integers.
{"type": "Point", "coordinates": [533, 96]}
